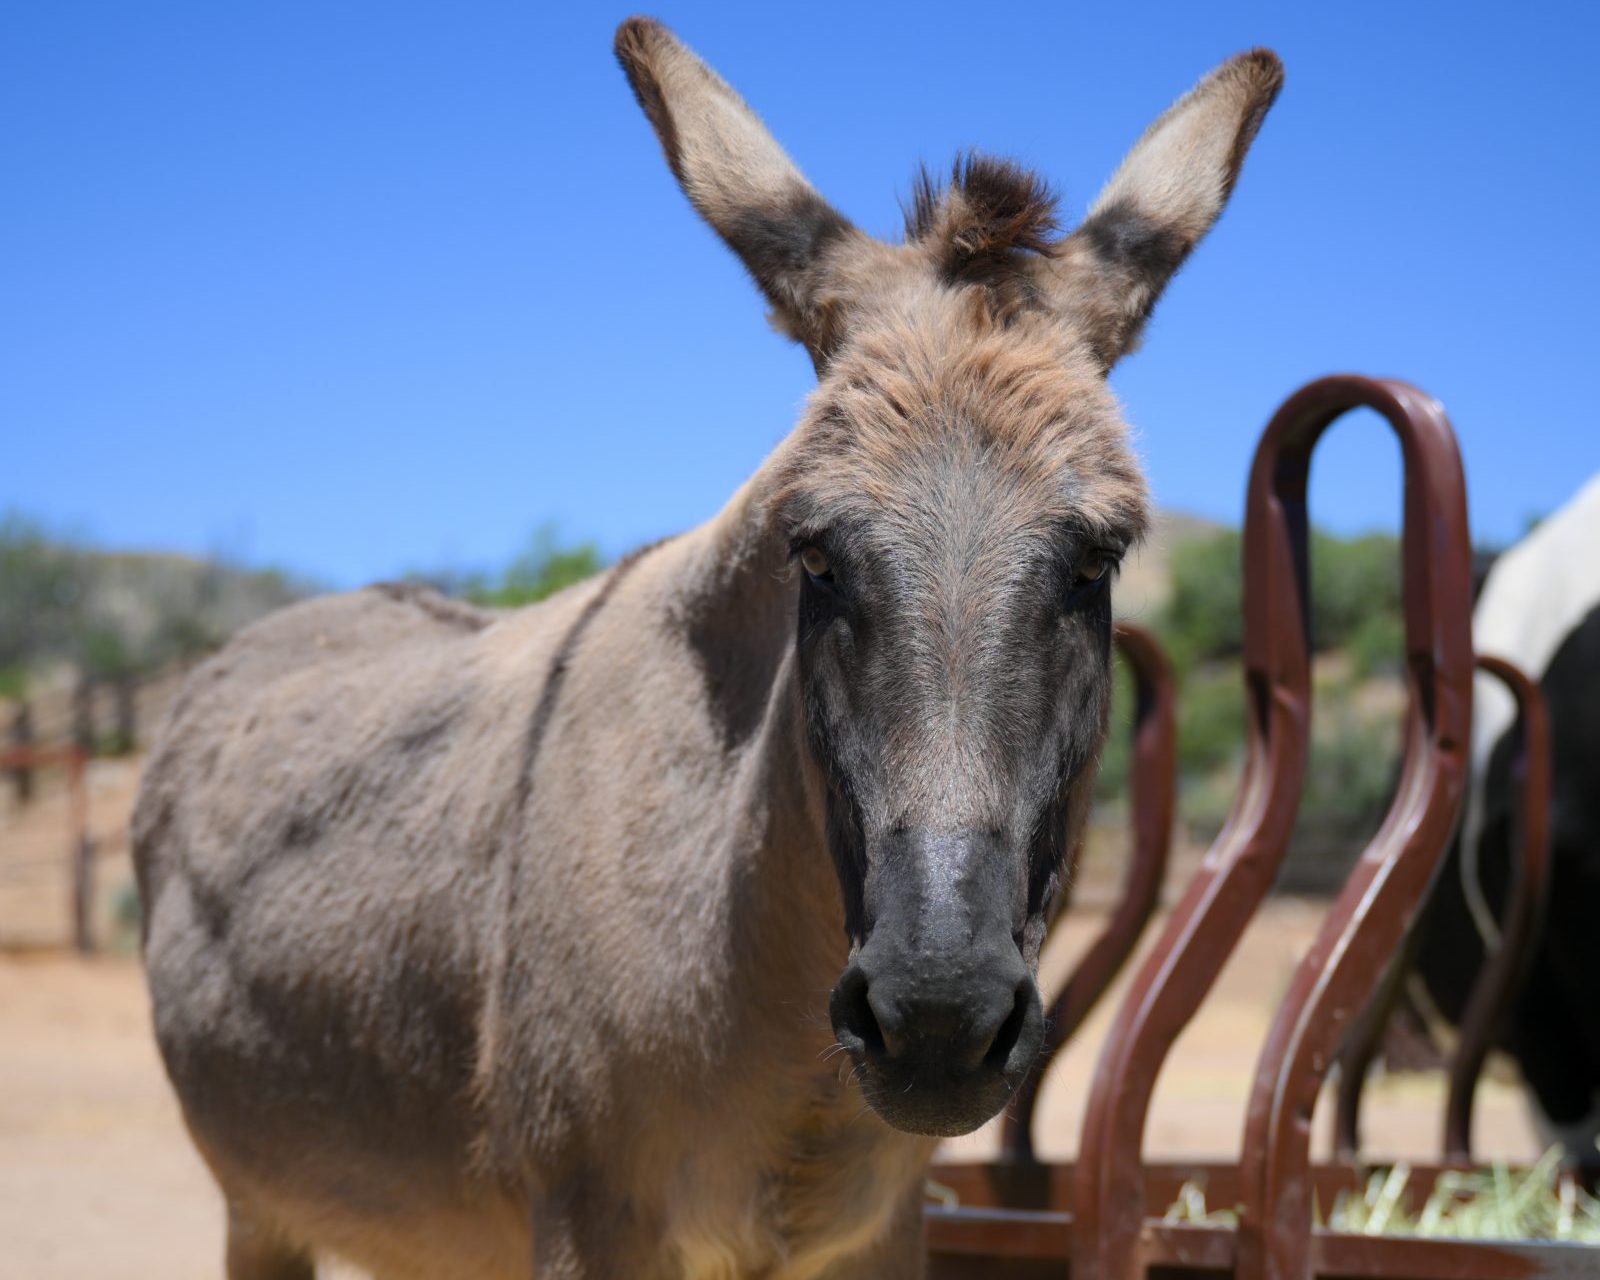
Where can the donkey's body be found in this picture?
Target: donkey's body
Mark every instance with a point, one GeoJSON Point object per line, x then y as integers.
{"type": "Point", "coordinates": [485, 943]}
{"type": "Point", "coordinates": [366, 798]}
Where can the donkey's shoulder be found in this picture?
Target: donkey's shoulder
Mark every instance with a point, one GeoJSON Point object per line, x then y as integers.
{"type": "Point", "coordinates": [358, 690]}
{"type": "Point", "coordinates": [381, 615]}
{"type": "Point", "coordinates": [309, 644]}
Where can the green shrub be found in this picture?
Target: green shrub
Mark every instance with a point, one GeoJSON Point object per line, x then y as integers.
{"type": "Point", "coordinates": [543, 568]}
{"type": "Point", "coordinates": [13, 682]}
{"type": "Point", "coordinates": [1351, 774]}
{"type": "Point", "coordinates": [103, 652]}
{"type": "Point", "coordinates": [1202, 619]}
{"type": "Point", "coordinates": [126, 914]}
{"type": "Point", "coordinates": [41, 587]}
{"type": "Point", "coordinates": [1117, 756]}
{"type": "Point", "coordinates": [1210, 719]}
{"type": "Point", "coordinates": [1377, 644]}
{"type": "Point", "coordinates": [1353, 582]}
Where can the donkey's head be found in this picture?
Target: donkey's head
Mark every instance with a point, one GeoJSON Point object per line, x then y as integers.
{"type": "Point", "coordinates": [956, 499]}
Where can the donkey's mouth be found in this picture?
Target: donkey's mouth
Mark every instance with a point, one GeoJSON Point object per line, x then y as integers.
{"type": "Point", "coordinates": [936, 1108]}
{"type": "Point", "coordinates": [936, 1077]}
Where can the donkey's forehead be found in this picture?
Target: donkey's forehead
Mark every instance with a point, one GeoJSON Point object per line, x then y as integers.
{"type": "Point", "coordinates": [949, 401]}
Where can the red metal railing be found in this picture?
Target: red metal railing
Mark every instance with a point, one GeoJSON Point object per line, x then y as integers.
{"type": "Point", "coordinates": [1031, 1220]}
{"type": "Point", "coordinates": [1240, 867]}
{"type": "Point", "coordinates": [1504, 969]}
{"type": "Point", "coordinates": [1152, 799]}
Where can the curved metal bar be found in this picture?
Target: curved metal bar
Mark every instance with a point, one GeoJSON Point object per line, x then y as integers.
{"type": "Point", "coordinates": [1373, 912]}
{"type": "Point", "coordinates": [1504, 972]}
{"type": "Point", "coordinates": [1108, 1193]}
{"type": "Point", "coordinates": [1359, 1050]}
{"type": "Point", "coordinates": [1151, 802]}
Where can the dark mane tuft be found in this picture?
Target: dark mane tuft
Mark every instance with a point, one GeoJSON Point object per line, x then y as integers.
{"type": "Point", "coordinates": [989, 210]}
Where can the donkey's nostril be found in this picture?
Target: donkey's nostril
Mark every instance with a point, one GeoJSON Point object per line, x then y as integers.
{"type": "Point", "coordinates": [886, 1016]}
{"type": "Point", "coordinates": [854, 1022]}
{"type": "Point", "coordinates": [1010, 1031]}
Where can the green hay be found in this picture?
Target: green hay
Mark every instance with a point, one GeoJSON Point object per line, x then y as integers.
{"type": "Point", "coordinates": [1541, 1203]}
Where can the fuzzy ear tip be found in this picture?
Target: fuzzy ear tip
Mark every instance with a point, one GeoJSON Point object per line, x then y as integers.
{"type": "Point", "coordinates": [1264, 69]}
{"type": "Point", "coordinates": [635, 37]}
{"type": "Point", "coordinates": [638, 43]}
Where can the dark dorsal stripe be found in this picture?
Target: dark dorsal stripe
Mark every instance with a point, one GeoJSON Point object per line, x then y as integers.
{"type": "Point", "coordinates": [454, 613]}
{"type": "Point", "coordinates": [550, 695]}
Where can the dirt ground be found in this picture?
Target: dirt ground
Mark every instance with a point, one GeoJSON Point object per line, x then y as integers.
{"type": "Point", "coordinates": [97, 1177]}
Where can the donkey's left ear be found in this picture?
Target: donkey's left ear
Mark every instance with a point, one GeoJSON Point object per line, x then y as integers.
{"type": "Point", "coordinates": [1107, 275]}
{"type": "Point", "coordinates": [739, 179]}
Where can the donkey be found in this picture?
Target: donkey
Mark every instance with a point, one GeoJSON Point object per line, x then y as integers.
{"type": "Point", "coordinates": [661, 929]}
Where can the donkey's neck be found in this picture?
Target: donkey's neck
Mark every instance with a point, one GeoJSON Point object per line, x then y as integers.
{"type": "Point", "coordinates": [736, 606]}
{"type": "Point", "coordinates": [805, 1129]}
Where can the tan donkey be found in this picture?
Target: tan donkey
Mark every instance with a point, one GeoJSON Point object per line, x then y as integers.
{"type": "Point", "coordinates": [659, 930]}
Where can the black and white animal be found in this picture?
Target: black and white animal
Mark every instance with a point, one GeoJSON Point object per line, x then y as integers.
{"type": "Point", "coordinates": [1540, 608]}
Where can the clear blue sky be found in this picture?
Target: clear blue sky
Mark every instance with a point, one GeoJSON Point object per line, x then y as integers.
{"type": "Point", "coordinates": [358, 287]}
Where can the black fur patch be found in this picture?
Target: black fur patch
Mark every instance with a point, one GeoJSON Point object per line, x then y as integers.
{"type": "Point", "coordinates": [1553, 1029]}
{"type": "Point", "coordinates": [739, 671]}
{"type": "Point", "coordinates": [1270, 70]}
{"type": "Point", "coordinates": [550, 695]}
{"type": "Point", "coordinates": [983, 226]}
{"type": "Point", "coordinates": [779, 243]}
{"type": "Point", "coordinates": [847, 841]}
{"type": "Point", "coordinates": [1127, 240]}
{"type": "Point", "coordinates": [634, 39]}
{"type": "Point", "coordinates": [989, 208]}
{"type": "Point", "coordinates": [440, 608]}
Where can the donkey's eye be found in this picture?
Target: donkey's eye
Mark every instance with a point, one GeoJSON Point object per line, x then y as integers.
{"type": "Point", "coordinates": [815, 563]}
{"type": "Point", "coordinates": [1093, 571]}
{"type": "Point", "coordinates": [1094, 567]}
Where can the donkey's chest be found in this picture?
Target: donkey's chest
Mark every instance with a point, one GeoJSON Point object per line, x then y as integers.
{"type": "Point", "coordinates": [834, 1187]}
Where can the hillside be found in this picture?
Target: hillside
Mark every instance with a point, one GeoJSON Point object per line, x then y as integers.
{"type": "Point", "coordinates": [1145, 584]}
{"type": "Point", "coordinates": [74, 615]}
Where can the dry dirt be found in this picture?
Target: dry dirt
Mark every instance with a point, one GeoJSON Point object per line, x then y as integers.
{"type": "Point", "coordinates": [97, 1178]}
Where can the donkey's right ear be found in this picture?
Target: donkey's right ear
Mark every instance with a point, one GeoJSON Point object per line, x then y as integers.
{"type": "Point", "coordinates": [739, 179]}
{"type": "Point", "coordinates": [1169, 191]}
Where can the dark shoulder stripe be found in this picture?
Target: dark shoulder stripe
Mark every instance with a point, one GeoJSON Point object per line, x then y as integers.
{"type": "Point", "coordinates": [550, 695]}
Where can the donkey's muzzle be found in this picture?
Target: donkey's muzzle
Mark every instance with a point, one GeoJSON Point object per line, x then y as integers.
{"type": "Point", "coordinates": [939, 1008]}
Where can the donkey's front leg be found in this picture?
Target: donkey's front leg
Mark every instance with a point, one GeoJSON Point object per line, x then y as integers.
{"type": "Point", "coordinates": [899, 1254]}
{"type": "Point", "coordinates": [585, 1231]}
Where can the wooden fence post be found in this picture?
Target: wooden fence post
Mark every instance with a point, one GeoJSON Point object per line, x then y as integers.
{"type": "Point", "coordinates": [83, 712]}
{"type": "Point", "coordinates": [22, 736]}
{"type": "Point", "coordinates": [82, 854]}
{"type": "Point", "coordinates": [126, 714]}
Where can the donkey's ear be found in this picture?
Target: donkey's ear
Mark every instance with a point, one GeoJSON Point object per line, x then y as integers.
{"type": "Point", "coordinates": [738, 177]}
{"type": "Point", "coordinates": [1108, 273]}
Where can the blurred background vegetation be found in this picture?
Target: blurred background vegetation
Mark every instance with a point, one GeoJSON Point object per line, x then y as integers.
{"type": "Point", "coordinates": [545, 565]}
{"type": "Point", "coordinates": [1357, 634]}
{"type": "Point", "coordinates": [82, 630]}
{"type": "Point", "coordinates": [81, 624]}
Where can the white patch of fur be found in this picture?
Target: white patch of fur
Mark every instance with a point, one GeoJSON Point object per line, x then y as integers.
{"type": "Point", "coordinates": [1534, 596]}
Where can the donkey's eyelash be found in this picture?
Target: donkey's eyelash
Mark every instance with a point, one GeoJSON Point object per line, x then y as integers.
{"type": "Point", "coordinates": [1084, 585]}
{"type": "Point", "coordinates": [816, 563]}
{"type": "Point", "coordinates": [1109, 560]}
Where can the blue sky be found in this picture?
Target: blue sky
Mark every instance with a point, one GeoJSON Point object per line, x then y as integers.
{"type": "Point", "coordinates": [356, 288]}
